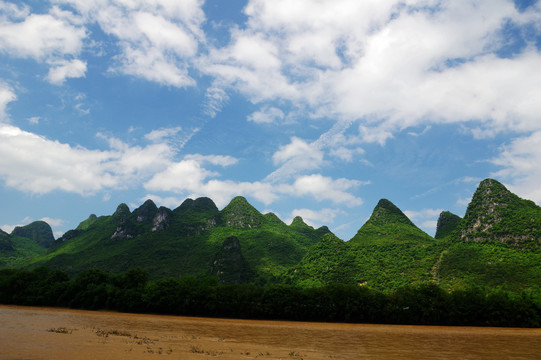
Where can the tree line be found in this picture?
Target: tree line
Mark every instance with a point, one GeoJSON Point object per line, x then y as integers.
{"type": "Point", "coordinates": [132, 291]}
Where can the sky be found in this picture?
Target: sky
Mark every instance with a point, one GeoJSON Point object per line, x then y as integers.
{"type": "Point", "coordinates": [311, 108]}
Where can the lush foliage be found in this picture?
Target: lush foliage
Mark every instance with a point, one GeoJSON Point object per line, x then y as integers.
{"type": "Point", "coordinates": [131, 291]}
{"type": "Point", "coordinates": [447, 223]}
{"type": "Point", "coordinates": [388, 225]}
{"type": "Point", "coordinates": [496, 214]}
{"type": "Point", "coordinates": [496, 244]}
{"type": "Point", "coordinates": [184, 241]}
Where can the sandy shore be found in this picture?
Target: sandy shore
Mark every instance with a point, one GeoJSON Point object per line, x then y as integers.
{"type": "Point", "coordinates": [44, 333]}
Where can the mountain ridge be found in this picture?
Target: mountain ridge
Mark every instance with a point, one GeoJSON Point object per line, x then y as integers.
{"type": "Point", "coordinates": [496, 244]}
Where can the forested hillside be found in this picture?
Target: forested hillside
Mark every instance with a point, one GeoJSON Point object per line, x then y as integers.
{"type": "Point", "coordinates": [496, 244]}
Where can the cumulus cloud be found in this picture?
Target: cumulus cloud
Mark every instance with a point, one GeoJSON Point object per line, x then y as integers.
{"type": "Point", "coordinates": [294, 157]}
{"type": "Point", "coordinates": [191, 178]}
{"type": "Point", "coordinates": [170, 202]}
{"type": "Point", "coordinates": [10, 227]}
{"type": "Point", "coordinates": [38, 165]}
{"type": "Point", "coordinates": [6, 96]}
{"type": "Point", "coordinates": [53, 221]}
{"type": "Point", "coordinates": [316, 218]}
{"type": "Point", "coordinates": [157, 39]}
{"type": "Point", "coordinates": [519, 162]}
{"type": "Point", "coordinates": [41, 36]}
{"type": "Point", "coordinates": [325, 188]}
{"type": "Point", "coordinates": [387, 65]}
{"type": "Point", "coordinates": [300, 151]}
{"type": "Point", "coordinates": [66, 69]}
{"type": "Point", "coordinates": [422, 214]}
{"type": "Point", "coordinates": [427, 219]}
{"type": "Point", "coordinates": [346, 154]}
{"type": "Point", "coordinates": [55, 38]}
{"type": "Point", "coordinates": [267, 115]}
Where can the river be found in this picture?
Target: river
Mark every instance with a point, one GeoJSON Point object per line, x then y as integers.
{"type": "Point", "coordinates": [46, 333]}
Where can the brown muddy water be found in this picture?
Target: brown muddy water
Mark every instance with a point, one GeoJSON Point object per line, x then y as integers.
{"type": "Point", "coordinates": [45, 333]}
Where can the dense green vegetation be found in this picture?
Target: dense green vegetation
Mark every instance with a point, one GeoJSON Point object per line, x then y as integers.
{"type": "Point", "coordinates": [388, 225]}
{"type": "Point", "coordinates": [493, 253]}
{"type": "Point", "coordinates": [447, 223]}
{"type": "Point", "coordinates": [24, 244]}
{"type": "Point", "coordinates": [131, 291]}
{"type": "Point", "coordinates": [184, 241]}
{"type": "Point", "coordinates": [496, 214]}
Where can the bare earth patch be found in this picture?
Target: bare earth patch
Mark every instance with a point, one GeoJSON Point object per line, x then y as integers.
{"type": "Point", "coordinates": [45, 333]}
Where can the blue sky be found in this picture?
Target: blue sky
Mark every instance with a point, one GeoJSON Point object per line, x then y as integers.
{"type": "Point", "coordinates": [311, 108]}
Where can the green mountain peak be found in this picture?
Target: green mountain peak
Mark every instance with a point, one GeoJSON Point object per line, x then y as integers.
{"type": "Point", "coordinates": [496, 214]}
{"type": "Point", "coordinates": [299, 222]}
{"type": "Point", "coordinates": [201, 204]}
{"type": "Point", "coordinates": [239, 213]}
{"type": "Point", "coordinates": [386, 212]}
{"type": "Point", "coordinates": [239, 201]}
{"type": "Point", "coordinates": [447, 223]}
{"type": "Point", "coordinates": [122, 210]}
{"type": "Point", "coordinates": [146, 211]}
{"type": "Point", "coordinates": [272, 218]}
{"type": "Point", "coordinates": [5, 241]}
{"type": "Point", "coordinates": [39, 231]}
{"type": "Point", "coordinates": [87, 223]}
{"type": "Point", "coordinates": [388, 224]}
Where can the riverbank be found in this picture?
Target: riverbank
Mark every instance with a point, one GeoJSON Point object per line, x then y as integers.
{"type": "Point", "coordinates": [50, 333]}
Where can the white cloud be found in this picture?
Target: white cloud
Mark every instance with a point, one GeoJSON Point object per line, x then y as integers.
{"type": "Point", "coordinates": [388, 65]}
{"type": "Point", "coordinates": [10, 227]}
{"type": "Point", "coordinates": [27, 220]}
{"type": "Point", "coordinates": [346, 154]}
{"type": "Point", "coordinates": [66, 69]}
{"type": "Point", "coordinates": [520, 162]}
{"type": "Point", "coordinates": [429, 225]}
{"type": "Point", "coordinates": [215, 98]}
{"type": "Point", "coordinates": [426, 219]}
{"type": "Point", "coordinates": [157, 39]}
{"type": "Point", "coordinates": [53, 221]}
{"type": "Point", "coordinates": [190, 178]}
{"type": "Point", "coordinates": [325, 188]}
{"type": "Point", "coordinates": [182, 176]}
{"type": "Point", "coordinates": [267, 115]}
{"type": "Point", "coordinates": [422, 214]}
{"type": "Point", "coordinates": [35, 164]}
{"type": "Point", "coordinates": [170, 202]}
{"type": "Point", "coordinates": [40, 37]}
{"type": "Point", "coordinates": [34, 120]}
{"type": "Point", "coordinates": [54, 38]}
{"type": "Point", "coordinates": [10, 10]}
{"type": "Point", "coordinates": [219, 160]}
{"type": "Point", "coordinates": [6, 96]}
{"type": "Point", "coordinates": [298, 150]}
{"type": "Point", "coordinates": [161, 134]}
{"type": "Point", "coordinates": [295, 157]}
{"type": "Point", "coordinates": [463, 201]}
{"type": "Point", "coordinates": [316, 218]}
{"type": "Point", "coordinates": [252, 65]}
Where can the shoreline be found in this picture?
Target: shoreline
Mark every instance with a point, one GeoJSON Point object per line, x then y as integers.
{"type": "Point", "coordinates": [45, 333]}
